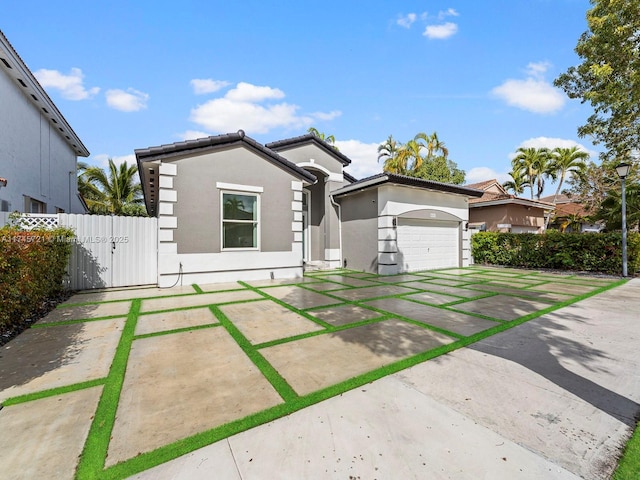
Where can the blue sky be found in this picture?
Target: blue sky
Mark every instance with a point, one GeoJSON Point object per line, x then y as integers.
{"type": "Point", "coordinates": [134, 74]}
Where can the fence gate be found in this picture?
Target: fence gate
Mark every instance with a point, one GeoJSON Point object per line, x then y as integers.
{"type": "Point", "coordinates": [112, 251]}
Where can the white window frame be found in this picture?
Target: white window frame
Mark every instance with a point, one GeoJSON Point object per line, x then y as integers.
{"type": "Point", "coordinates": [253, 191]}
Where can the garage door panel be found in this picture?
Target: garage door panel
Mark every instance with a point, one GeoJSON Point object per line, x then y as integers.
{"type": "Point", "coordinates": [427, 244]}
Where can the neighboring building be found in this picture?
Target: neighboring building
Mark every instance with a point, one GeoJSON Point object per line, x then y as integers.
{"type": "Point", "coordinates": [498, 211]}
{"type": "Point", "coordinates": [38, 148]}
{"type": "Point", "coordinates": [232, 209]}
{"type": "Point", "coordinates": [571, 216]}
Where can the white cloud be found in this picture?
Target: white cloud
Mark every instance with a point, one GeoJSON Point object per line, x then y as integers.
{"type": "Point", "coordinates": [551, 143]}
{"type": "Point", "coordinates": [207, 85]}
{"type": "Point", "coordinates": [537, 69]}
{"type": "Point", "coordinates": [407, 20]}
{"type": "Point", "coordinates": [364, 157]}
{"type": "Point", "coordinates": [247, 107]}
{"type": "Point", "coordinates": [441, 32]}
{"type": "Point", "coordinates": [534, 93]}
{"type": "Point", "coordinates": [449, 12]}
{"type": "Point", "coordinates": [70, 86]}
{"type": "Point", "coordinates": [481, 174]}
{"type": "Point", "coordinates": [326, 116]}
{"type": "Point", "coordinates": [130, 100]}
{"type": "Point", "coordinates": [102, 160]}
{"type": "Point", "coordinates": [192, 135]}
{"type": "Point", "coordinates": [246, 92]}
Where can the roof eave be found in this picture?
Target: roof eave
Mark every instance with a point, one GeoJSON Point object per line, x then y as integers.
{"type": "Point", "coordinates": [34, 92]}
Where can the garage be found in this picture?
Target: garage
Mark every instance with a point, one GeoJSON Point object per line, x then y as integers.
{"type": "Point", "coordinates": [427, 244]}
{"type": "Point", "coordinates": [393, 224]}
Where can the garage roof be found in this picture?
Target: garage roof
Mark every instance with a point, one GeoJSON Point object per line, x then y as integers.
{"type": "Point", "coordinates": [392, 178]}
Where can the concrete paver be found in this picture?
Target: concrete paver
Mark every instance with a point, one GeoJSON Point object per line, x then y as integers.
{"type": "Point", "coordinates": [432, 298]}
{"type": "Point", "coordinates": [83, 312]}
{"type": "Point", "coordinates": [324, 360]}
{"type": "Point", "coordinates": [197, 300]}
{"type": "Point", "coordinates": [344, 314]}
{"type": "Point", "coordinates": [350, 281]}
{"type": "Point", "coordinates": [456, 291]}
{"type": "Point", "coordinates": [166, 321]}
{"type": "Point", "coordinates": [180, 384]}
{"type": "Point", "coordinates": [300, 297]}
{"type": "Point", "coordinates": [559, 287]}
{"type": "Point", "coordinates": [502, 307]}
{"type": "Point", "coordinates": [57, 356]}
{"type": "Point", "coordinates": [44, 438]}
{"type": "Point", "coordinates": [452, 321]}
{"type": "Point", "coordinates": [497, 287]}
{"type": "Point", "coordinates": [265, 321]}
{"type": "Point", "coordinates": [372, 292]}
{"type": "Point", "coordinates": [220, 287]}
{"type": "Point", "coordinates": [552, 398]}
{"type": "Point", "coordinates": [126, 294]}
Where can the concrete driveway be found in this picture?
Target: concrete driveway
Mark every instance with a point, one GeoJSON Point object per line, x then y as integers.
{"type": "Point", "coordinates": [327, 377]}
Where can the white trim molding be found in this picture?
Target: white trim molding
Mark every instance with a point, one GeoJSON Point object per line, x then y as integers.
{"type": "Point", "coordinates": [239, 188]}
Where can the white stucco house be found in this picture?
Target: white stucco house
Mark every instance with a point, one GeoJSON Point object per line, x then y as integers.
{"type": "Point", "coordinates": [38, 147]}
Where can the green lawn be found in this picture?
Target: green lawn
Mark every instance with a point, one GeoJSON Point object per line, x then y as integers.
{"type": "Point", "coordinates": [629, 466]}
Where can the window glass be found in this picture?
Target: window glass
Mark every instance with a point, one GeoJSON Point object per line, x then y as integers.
{"type": "Point", "coordinates": [239, 220]}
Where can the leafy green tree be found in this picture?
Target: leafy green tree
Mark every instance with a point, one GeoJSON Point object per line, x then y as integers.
{"type": "Point", "coordinates": [517, 184]}
{"type": "Point", "coordinates": [116, 191]}
{"type": "Point", "coordinates": [425, 156]}
{"type": "Point", "coordinates": [533, 164]}
{"type": "Point", "coordinates": [567, 161]}
{"type": "Point", "coordinates": [609, 76]}
{"type": "Point", "coordinates": [611, 208]}
{"type": "Point", "coordinates": [441, 169]}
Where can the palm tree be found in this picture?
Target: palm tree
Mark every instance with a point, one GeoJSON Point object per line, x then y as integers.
{"type": "Point", "coordinates": [409, 154]}
{"type": "Point", "coordinates": [433, 145]}
{"type": "Point", "coordinates": [389, 152]}
{"type": "Point", "coordinates": [567, 160]}
{"type": "Point", "coordinates": [330, 139]}
{"type": "Point", "coordinates": [533, 163]}
{"type": "Point", "coordinates": [517, 184]}
{"type": "Point", "coordinates": [117, 192]}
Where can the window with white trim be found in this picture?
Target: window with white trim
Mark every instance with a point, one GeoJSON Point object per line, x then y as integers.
{"type": "Point", "coordinates": [240, 220]}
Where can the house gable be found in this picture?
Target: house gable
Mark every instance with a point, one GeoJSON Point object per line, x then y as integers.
{"type": "Point", "coordinates": [310, 151]}
{"type": "Point", "coordinates": [149, 158]}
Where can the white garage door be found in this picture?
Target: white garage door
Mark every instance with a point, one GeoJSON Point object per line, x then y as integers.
{"type": "Point", "coordinates": [427, 244]}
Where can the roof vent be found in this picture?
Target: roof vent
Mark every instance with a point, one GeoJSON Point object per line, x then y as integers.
{"type": "Point", "coordinates": [241, 133]}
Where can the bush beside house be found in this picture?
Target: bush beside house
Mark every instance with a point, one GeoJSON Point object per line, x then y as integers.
{"type": "Point", "coordinates": [32, 267]}
{"type": "Point", "coordinates": [597, 252]}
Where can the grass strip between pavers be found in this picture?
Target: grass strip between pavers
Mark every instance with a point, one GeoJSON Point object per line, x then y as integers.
{"type": "Point", "coordinates": [169, 452]}
{"type": "Point", "coordinates": [52, 392]}
{"type": "Point", "coordinates": [92, 460]}
{"type": "Point", "coordinates": [94, 454]}
{"type": "Point", "coordinates": [271, 374]}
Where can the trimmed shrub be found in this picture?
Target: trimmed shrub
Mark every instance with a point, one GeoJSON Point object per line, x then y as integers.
{"type": "Point", "coordinates": [32, 267]}
{"type": "Point", "coordinates": [589, 252]}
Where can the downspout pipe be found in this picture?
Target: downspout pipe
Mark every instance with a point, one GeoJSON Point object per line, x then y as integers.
{"type": "Point", "coordinates": [339, 208]}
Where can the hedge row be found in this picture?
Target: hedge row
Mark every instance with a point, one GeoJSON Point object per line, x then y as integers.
{"type": "Point", "coordinates": [32, 267]}
{"type": "Point", "coordinates": [592, 252]}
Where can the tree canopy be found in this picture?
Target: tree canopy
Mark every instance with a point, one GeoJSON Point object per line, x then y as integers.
{"type": "Point", "coordinates": [609, 76]}
{"type": "Point", "coordinates": [424, 156]}
{"type": "Point", "coordinates": [116, 191]}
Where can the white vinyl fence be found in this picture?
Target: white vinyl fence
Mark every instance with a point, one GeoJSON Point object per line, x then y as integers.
{"type": "Point", "coordinates": [108, 251]}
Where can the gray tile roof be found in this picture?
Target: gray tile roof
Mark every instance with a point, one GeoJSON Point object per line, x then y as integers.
{"type": "Point", "coordinates": [203, 145]}
{"type": "Point", "coordinates": [309, 138]}
{"type": "Point", "coordinates": [382, 178]}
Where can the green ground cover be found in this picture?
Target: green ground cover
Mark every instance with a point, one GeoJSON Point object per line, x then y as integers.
{"type": "Point", "coordinates": [450, 290]}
